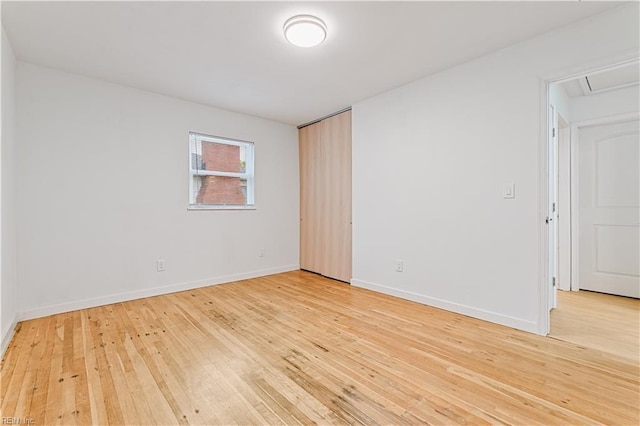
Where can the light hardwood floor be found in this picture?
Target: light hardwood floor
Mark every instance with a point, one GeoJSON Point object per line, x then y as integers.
{"type": "Point", "coordinates": [297, 348]}
{"type": "Point", "coordinates": [599, 321]}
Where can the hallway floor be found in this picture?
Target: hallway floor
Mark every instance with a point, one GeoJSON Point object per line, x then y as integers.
{"type": "Point", "coordinates": [598, 321]}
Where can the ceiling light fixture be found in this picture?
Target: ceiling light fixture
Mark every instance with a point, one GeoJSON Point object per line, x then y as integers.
{"type": "Point", "coordinates": [305, 31]}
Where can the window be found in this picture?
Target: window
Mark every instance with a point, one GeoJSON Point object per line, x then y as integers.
{"type": "Point", "coordinates": [221, 173]}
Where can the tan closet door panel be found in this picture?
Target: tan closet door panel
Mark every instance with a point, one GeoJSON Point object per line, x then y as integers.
{"type": "Point", "coordinates": [311, 197]}
{"type": "Point", "coordinates": [336, 141]}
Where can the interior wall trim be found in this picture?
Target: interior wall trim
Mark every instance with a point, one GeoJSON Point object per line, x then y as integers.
{"type": "Point", "coordinates": [43, 311]}
{"type": "Point", "coordinates": [324, 118]}
{"type": "Point", "coordinates": [481, 314]}
{"type": "Point", "coordinates": [6, 339]}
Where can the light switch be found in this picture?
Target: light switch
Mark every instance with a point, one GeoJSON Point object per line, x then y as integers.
{"type": "Point", "coordinates": [509, 190]}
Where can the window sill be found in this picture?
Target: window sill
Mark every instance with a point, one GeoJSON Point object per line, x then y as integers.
{"type": "Point", "coordinates": [221, 207]}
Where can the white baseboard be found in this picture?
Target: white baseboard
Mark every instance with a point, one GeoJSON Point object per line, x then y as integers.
{"type": "Point", "coordinates": [139, 294]}
{"type": "Point", "coordinates": [6, 338]}
{"type": "Point", "coordinates": [493, 317]}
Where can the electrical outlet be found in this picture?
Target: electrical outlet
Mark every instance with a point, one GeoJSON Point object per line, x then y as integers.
{"type": "Point", "coordinates": [261, 253]}
{"type": "Point", "coordinates": [399, 265]}
{"type": "Point", "coordinates": [161, 265]}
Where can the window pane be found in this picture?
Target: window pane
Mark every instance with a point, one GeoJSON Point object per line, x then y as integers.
{"type": "Point", "coordinates": [221, 157]}
{"type": "Point", "coordinates": [221, 190]}
{"type": "Point", "coordinates": [196, 185]}
{"type": "Point", "coordinates": [211, 161]}
{"type": "Point", "coordinates": [196, 161]}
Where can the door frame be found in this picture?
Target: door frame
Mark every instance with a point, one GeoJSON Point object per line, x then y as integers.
{"type": "Point", "coordinates": [564, 204]}
{"type": "Point", "coordinates": [574, 193]}
{"type": "Point", "coordinates": [551, 219]}
{"type": "Point", "coordinates": [561, 76]}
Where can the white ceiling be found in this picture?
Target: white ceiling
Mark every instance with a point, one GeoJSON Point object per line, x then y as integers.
{"type": "Point", "coordinates": [233, 55]}
{"type": "Point", "coordinates": [604, 81]}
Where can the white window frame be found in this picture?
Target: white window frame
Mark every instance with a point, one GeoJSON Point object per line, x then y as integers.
{"type": "Point", "coordinates": [195, 140]}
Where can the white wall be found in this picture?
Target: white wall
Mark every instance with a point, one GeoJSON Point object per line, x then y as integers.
{"type": "Point", "coordinates": [429, 162]}
{"type": "Point", "coordinates": [8, 241]}
{"type": "Point", "coordinates": [559, 98]}
{"type": "Point", "coordinates": [103, 194]}
{"type": "Point", "coordinates": [614, 102]}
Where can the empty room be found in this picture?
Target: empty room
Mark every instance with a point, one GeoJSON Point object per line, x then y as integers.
{"type": "Point", "coordinates": [258, 213]}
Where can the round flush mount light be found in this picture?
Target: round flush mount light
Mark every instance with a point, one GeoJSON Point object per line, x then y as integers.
{"type": "Point", "coordinates": [305, 31]}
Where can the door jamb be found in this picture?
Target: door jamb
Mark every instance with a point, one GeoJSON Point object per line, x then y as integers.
{"type": "Point", "coordinates": [564, 203]}
{"type": "Point", "coordinates": [544, 316]}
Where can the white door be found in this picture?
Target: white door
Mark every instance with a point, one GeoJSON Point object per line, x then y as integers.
{"type": "Point", "coordinates": [608, 216]}
{"type": "Point", "coordinates": [553, 202]}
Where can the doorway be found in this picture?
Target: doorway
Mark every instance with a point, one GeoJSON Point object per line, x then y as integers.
{"type": "Point", "coordinates": [593, 214]}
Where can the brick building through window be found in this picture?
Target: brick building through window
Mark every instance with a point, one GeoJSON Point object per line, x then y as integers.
{"type": "Point", "coordinates": [221, 189]}
{"type": "Point", "coordinates": [220, 176]}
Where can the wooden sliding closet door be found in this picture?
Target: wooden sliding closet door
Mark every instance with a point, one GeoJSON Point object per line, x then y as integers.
{"type": "Point", "coordinates": [325, 197]}
{"type": "Point", "coordinates": [311, 198]}
{"type": "Point", "coordinates": [336, 141]}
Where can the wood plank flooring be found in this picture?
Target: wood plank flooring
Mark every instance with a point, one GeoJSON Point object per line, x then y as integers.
{"type": "Point", "coordinates": [296, 348]}
{"type": "Point", "coordinates": [599, 321]}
